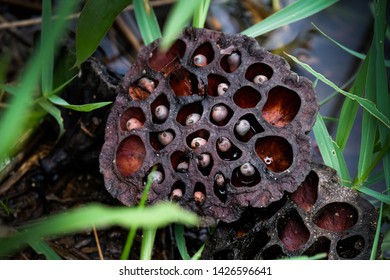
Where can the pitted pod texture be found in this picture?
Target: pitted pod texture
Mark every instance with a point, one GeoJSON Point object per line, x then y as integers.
{"type": "Point", "coordinates": [222, 120]}
{"type": "Point", "coordinates": [319, 217]}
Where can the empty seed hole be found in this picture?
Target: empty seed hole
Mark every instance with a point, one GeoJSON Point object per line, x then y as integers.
{"type": "Point", "coordinates": [273, 252]}
{"type": "Point", "coordinates": [161, 114]}
{"type": "Point", "coordinates": [130, 155]}
{"type": "Point", "coordinates": [183, 83]}
{"type": "Point", "coordinates": [306, 194]}
{"type": "Point", "coordinates": [213, 85]}
{"type": "Point", "coordinates": [350, 247]}
{"type": "Point", "coordinates": [322, 245]}
{"type": "Point", "coordinates": [197, 135]}
{"type": "Point", "coordinates": [160, 59]}
{"type": "Point", "coordinates": [281, 107]}
{"type": "Point", "coordinates": [131, 113]}
{"type": "Point", "coordinates": [254, 128]}
{"type": "Point", "coordinates": [276, 152]}
{"type": "Point", "coordinates": [205, 50]}
{"type": "Point", "coordinates": [186, 115]}
{"type": "Point", "coordinates": [336, 216]}
{"type": "Point", "coordinates": [159, 140]}
{"type": "Point", "coordinates": [247, 97]}
{"type": "Point", "coordinates": [258, 69]}
{"type": "Point", "coordinates": [292, 231]}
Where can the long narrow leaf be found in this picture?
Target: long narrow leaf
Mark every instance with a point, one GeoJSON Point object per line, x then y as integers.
{"type": "Point", "coordinates": [296, 11]}
{"type": "Point", "coordinates": [181, 242]}
{"type": "Point", "coordinates": [55, 113]}
{"type": "Point", "coordinates": [41, 247]}
{"type": "Point", "coordinates": [48, 67]}
{"type": "Point", "coordinates": [84, 218]}
{"type": "Point", "coordinates": [149, 234]}
{"type": "Point", "coordinates": [375, 244]}
{"type": "Point", "coordinates": [177, 20]}
{"type": "Point", "coordinates": [95, 20]}
{"type": "Point", "coordinates": [366, 104]}
{"type": "Point", "coordinates": [201, 14]}
{"type": "Point", "coordinates": [81, 108]}
{"type": "Point", "coordinates": [385, 198]}
{"type": "Point", "coordinates": [147, 21]}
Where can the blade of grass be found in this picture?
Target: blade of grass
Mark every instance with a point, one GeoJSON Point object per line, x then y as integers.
{"type": "Point", "coordinates": [147, 243]}
{"type": "Point", "coordinates": [41, 247]}
{"type": "Point", "coordinates": [375, 244]}
{"type": "Point", "coordinates": [373, 179]}
{"type": "Point", "coordinates": [385, 198]}
{"type": "Point", "coordinates": [55, 113]}
{"type": "Point", "coordinates": [47, 68]}
{"type": "Point", "coordinates": [147, 21]}
{"type": "Point", "coordinates": [181, 242]}
{"type": "Point", "coordinates": [198, 253]}
{"type": "Point", "coordinates": [350, 107]}
{"type": "Point", "coordinates": [296, 11]}
{"type": "Point", "coordinates": [95, 20]}
{"type": "Point", "coordinates": [366, 104]}
{"type": "Point", "coordinates": [318, 256]}
{"type": "Point", "coordinates": [200, 15]}
{"type": "Point", "coordinates": [11, 124]}
{"type": "Point", "coordinates": [85, 217]}
{"type": "Point", "coordinates": [81, 108]}
{"type": "Point", "coordinates": [177, 20]}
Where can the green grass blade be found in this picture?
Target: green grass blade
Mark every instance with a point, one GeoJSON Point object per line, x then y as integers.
{"type": "Point", "coordinates": [147, 21]}
{"type": "Point", "coordinates": [386, 242]}
{"type": "Point", "coordinates": [296, 11]}
{"type": "Point", "coordinates": [385, 198]}
{"type": "Point", "coordinates": [55, 113]}
{"type": "Point", "coordinates": [350, 107]}
{"type": "Point", "coordinates": [95, 20]}
{"type": "Point", "coordinates": [81, 108]}
{"type": "Point", "coordinates": [148, 238]}
{"type": "Point", "coordinates": [373, 179]}
{"type": "Point", "coordinates": [98, 215]}
{"type": "Point", "coordinates": [318, 256]}
{"type": "Point", "coordinates": [41, 247]}
{"type": "Point", "coordinates": [377, 235]}
{"type": "Point", "coordinates": [345, 177]}
{"type": "Point", "coordinates": [47, 68]}
{"type": "Point", "coordinates": [12, 125]}
{"type": "Point", "coordinates": [181, 242]}
{"type": "Point", "coordinates": [365, 103]}
{"type": "Point", "coordinates": [382, 90]}
{"type": "Point", "coordinates": [200, 15]}
{"type": "Point", "coordinates": [177, 20]}
{"type": "Point", "coordinates": [198, 253]}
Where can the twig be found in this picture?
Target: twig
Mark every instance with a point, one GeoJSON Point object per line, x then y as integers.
{"type": "Point", "coordinates": [98, 243]}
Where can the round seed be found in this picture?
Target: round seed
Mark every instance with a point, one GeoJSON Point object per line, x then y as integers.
{"type": "Point", "coordinates": [182, 167]}
{"type": "Point", "coordinates": [147, 84]}
{"type": "Point", "coordinates": [133, 123]}
{"type": "Point", "coordinates": [234, 61]}
{"type": "Point", "coordinates": [224, 144]}
{"type": "Point", "coordinates": [199, 197]}
{"type": "Point", "coordinates": [260, 79]}
{"type": "Point", "coordinates": [165, 137]}
{"type": "Point", "coordinates": [161, 112]}
{"type": "Point", "coordinates": [242, 127]}
{"type": "Point", "coordinates": [192, 118]}
{"type": "Point", "coordinates": [222, 88]}
{"type": "Point", "coordinates": [268, 160]}
{"type": "Point", "coordinates": [198, 142]}
{"type": "Point", "coordinates": [219, 180]}
{"type": "Point", "coordinates": [247, 169]}
{"type": "Point", "coordinates": [204, 160]}
{"type": "Point", "coordinates": [219, 113]}
{"type": "Point", "coordinates": [176, 194]}
{"type": "Point", "coordinates": [157, 177]}
{"type": "Point", "coordinates": [200, 60]}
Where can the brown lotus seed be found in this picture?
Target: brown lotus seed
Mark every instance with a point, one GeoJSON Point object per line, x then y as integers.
{"type": "Point", "coordinates": [242, 127]}
{"type": "Point", "coordinates": [133, 123]}
{"type": "Point", "coordinates": [176, 194]}
{"type": "Point", "coordinates": [165, 137]}
{"type": "Point", "coordinates": [204, 160]}
{"type": "Point", "coordinates": [247, 169]}
{"type": "Point", "coordinates": [224, 144]}
{"type": "Point", "coordinates": [233, 61]}
{"type": "Point", "coordinates": [147, 84]}
{"type": "Point", "coordinates": [198, 142]}
{"type": "Point", "coordinates": [182, 167]}
{"type": "Point", "coordinates": [192, 118]}
{"type": "Point", "coordinates": [260, 79]}
{"type": "Point", "coordinates": [219, 113]}
{"type": "Point", "coordinates": [199, 197]}
{"type": "Point", "coordinates": [161, 112]}
{"type": "Point", "coordinates": [200, 60]}
{"type": "Point", "coordinates": [222, 88]}
{"type": "Point", "coordinates": [219, 180]}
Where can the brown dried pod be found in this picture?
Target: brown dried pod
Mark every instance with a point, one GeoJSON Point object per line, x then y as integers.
{"type": "Point", "coordinates": [203, 74]}
{"type": "Point", "coordinates": [321, 216]}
